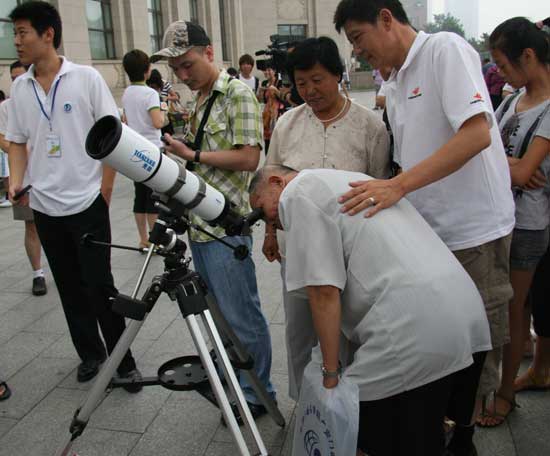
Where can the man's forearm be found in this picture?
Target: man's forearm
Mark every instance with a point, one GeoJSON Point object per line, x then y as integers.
{"type": "Point", "coordinates": [473, 137]}
{"type": "Point", "coordinates": [107, 182]}
{"type": "Point", "coordinates": [325, 307]}
{"type": "Point", "coordinates": [234, 160]}
{"type": "Point", "coordinates": [17, 158]}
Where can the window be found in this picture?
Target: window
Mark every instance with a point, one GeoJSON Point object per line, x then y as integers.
{"type": "Point", "coordinates": [291, 33]}
{"type": "Point", "coordinates": [155, 24]}
{"type": "Point", "coordinates": [194, 11]}
{"type": "Point", "coordinates": [7, 49]}
{"type": "Point", "coordinates": [223, 31]}
{"type": "Point", "coordinates": [100, 29]}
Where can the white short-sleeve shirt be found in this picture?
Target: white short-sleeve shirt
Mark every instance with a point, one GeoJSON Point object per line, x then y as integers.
{"type": "Point", "coordinates": [437, 89]}
{"type": "Point", "coordinates": [69, 183]}
{"type": "Point", "coordinates": [406, 301]}
{"type": "Point", "coordinates": [4, 106]}
{"type": "Point", "coordinates": [137, 102]}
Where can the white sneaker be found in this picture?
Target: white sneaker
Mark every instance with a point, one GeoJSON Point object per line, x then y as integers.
{"type": "Point", "coordinates": [5, 203]}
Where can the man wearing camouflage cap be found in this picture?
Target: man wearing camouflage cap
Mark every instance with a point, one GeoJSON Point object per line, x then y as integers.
{"type": "Point", "coordinates": [228, 153]}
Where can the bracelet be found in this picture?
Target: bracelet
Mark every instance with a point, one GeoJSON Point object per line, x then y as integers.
{"type": "Point", "coordinates": [197, 156]}
{"type": "Point", "coordinates": [330, 374]}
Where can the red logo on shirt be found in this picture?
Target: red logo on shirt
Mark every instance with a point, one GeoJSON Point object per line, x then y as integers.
{"type": "Point", "coordinates": [478, 98]}
{"type": "Point", "coordinates": [415, 93]}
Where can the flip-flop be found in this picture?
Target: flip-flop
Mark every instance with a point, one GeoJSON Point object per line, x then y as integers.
{"type": "Point", "coordinates": [530, 382]}
{"type": "Point", "coordinates": [7, 391]}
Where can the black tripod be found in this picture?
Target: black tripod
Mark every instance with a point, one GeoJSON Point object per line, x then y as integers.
{"type": "Point", "coordinates": [200, 372]}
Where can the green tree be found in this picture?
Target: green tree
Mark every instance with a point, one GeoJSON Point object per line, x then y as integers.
{"type": "Point", "coordinates": [445, 23]}
{"type": "Point", "coordinates": [481, 45]}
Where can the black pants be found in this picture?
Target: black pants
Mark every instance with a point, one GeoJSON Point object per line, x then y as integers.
{"type": "Point", "coordinates": [84, 280]}
{"type": "Point", "coordinates": [463, 391]}
{"type": "Point", "coordinates": [407, 424]}
{"type": "Point", "coordinates": [143, 200]}
{"type": "Point", "coordinates": [540, 297]}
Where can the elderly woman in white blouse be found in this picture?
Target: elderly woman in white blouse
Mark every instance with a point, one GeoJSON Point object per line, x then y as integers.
{"type": "Point", "coordinates": [328, 131]}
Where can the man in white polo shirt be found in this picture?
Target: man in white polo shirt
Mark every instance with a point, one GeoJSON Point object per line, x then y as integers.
{"type": "Point", "coordinates": [454, 167]}
{"type": "Point", "coordinates": [53, 107]}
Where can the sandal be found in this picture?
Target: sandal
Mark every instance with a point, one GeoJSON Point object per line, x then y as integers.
{"type": "Point", "coordinates": [498, 418]}
{"type": "Point", "coordinates": [530, 381]}
{"type": "Point", "coordinates": [6, 393]}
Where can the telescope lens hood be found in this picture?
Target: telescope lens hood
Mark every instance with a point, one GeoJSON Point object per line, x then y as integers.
{"type": "Point", "coordinates": [103, 137]}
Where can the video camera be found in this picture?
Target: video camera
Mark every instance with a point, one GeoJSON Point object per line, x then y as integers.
{"type": "Point", "coordinates": [277, 52]}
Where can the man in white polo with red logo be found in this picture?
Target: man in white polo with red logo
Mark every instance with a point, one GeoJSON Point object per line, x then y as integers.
{"type": "Point", "coordinates": [455, 171]}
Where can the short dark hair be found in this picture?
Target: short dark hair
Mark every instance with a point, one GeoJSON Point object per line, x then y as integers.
{"type": "Point", "coordinates": [246, 58]}
{"type": "Point", "coordinates": [2, 95]}
{"type": "Point", "coordinates": [515, 35]}
{"type": "Point", "coordinates": [232, 72]}
{"type": "Point", "coordinates": [136, 63]}
{"type": "Point", "coordinates": [155, 79]}
{"type": "Point", "coordinates": [367, 11]}
{"type": "Point", "coordinates": [307, 53]}
{"type": "Point", "coordinates": [42, 16]}
{"type": "Point", "coordinates": [18, 64]}
{"type": "Point", "coordinates": [486, 60]}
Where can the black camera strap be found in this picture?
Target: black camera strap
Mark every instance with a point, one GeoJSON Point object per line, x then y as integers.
{"type": "Point", "coordinates": [200, 131]}
{"type": "Point", "coordinates": [199, 135]}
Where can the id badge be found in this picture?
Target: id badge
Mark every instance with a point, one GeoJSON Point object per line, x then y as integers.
{"type": "Point", "coordinates": [53, 146]}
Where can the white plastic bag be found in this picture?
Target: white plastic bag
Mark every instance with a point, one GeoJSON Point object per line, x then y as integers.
{"type": "Point", "coordinates": [327, 420]}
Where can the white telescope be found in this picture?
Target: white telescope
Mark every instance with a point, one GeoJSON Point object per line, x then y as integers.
{"type": "Point", "coordinates": [140, 160]}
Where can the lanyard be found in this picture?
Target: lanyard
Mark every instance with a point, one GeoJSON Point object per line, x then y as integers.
{"type": "Point", "coordinates": [50, 117]}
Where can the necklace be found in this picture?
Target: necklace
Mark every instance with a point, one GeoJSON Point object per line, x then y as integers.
{"type": "Point", "coordinates": [337, 115]}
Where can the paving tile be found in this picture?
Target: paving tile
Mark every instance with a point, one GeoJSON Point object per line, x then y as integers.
{"type": "Point", "coordinates": [495, 442]}
{"type": "Point", "coordinates": [530, 424]}
{"type": "Point", "coordinates": [122, 411]}
{"type": "Point", "coordinates": [21, 349]}
{"type": "Point", "coordinates": [10, 300]}
{"type": "Point", "coordinates": [224, 449]}
{"type": "Point", "coordinates": [100, 442]}
{"type": "Point", "coordinates": [184, 426]}
{"type": "Point", "coordinates": [53, 322]}
{"type": "Point", "coordinates": [32, 383]}
{"type": "Point", "coordinates": [14, 321]}
{"type": "Point", "coordinates": [175, 341]}
{"type": "Point", "coordinates": [62, 348]}
{"type": "Point", "coordinates": [43, 430]}
{"type": "Point", "coordinates": [6, 424]}
{"type": "Point", "coordinates": [278, 360]}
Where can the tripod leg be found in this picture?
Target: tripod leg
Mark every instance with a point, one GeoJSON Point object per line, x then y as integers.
{"type": "Point", "coordinates": [232, 381]}
{"type": "Point", "coordinates": [97, 392]}
{"type": "Point", "coordinates": [237, 349]}
{"type": "Point", "coordinates": [216, 384]}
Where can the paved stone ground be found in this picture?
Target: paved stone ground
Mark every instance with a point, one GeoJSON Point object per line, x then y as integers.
{"type": "Point", "coordinates": [39, 362]}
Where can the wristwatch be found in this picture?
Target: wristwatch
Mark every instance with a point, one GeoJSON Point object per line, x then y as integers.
{"type": "Point", "coordinates": [197, 156]}
{"type": "Point", "coordinates": [330, 374]}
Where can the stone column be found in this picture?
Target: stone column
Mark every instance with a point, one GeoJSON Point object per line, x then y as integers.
{"type": "Point", "coordinates": [75, 41]}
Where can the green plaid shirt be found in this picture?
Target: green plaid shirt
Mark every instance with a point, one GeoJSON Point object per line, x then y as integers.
{"type": "Point", "coordinates": [235, 120]}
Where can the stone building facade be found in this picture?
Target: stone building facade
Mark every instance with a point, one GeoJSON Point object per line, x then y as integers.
{"type": "Point", "coordinates": [100, 32]}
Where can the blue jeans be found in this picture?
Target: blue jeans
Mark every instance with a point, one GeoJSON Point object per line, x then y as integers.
{"type": "Point", "coordinates": [233, 284]}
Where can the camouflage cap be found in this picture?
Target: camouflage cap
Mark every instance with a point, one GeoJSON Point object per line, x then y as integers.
{"type": "Point", "coordinates": [180, 37]}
